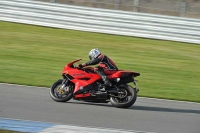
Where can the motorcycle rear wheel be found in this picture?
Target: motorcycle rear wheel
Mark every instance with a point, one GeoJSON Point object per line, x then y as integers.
{"type": "Point", "coordinates": [127, 101]}
{"type": "Point", "coordinates": [59, 95]}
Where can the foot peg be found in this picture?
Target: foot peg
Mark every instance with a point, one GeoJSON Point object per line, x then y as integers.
{"type": "Point", "coordinates": [102, 87]}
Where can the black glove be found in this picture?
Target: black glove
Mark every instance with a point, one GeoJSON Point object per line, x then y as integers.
{"type": "Point", "coordinates": [80, 66]}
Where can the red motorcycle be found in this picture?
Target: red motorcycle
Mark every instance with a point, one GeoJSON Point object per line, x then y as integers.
{"type": "Point", "coordinates": [86, 85]}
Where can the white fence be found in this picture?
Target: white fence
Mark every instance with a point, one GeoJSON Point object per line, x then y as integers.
{"type": "Point", "coordinates": [101, 20]}
{"type": "Point", "coordinates": [183, 8]}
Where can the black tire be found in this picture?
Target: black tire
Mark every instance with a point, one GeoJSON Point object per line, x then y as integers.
{"type": "Point", "coordinates": [126, 104]}
{"type": "Point", "coordinates": [57, 98]}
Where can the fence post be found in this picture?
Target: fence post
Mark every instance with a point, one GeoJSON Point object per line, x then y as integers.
{"type": "Point", "coordinates": [182, 9]}
{"type": "Point", "coordinates": [117, 2]}
{"type": "Point", "coordinates": [136, 5]}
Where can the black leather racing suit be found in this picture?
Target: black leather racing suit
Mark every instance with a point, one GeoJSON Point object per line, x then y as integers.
{"type": "Point", "coordinates": [104, 63]}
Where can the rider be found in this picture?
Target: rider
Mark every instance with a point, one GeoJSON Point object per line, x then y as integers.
{"type": "Point", "coordinates": [105, 63]}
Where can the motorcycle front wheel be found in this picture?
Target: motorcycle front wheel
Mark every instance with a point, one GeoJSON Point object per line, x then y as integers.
{"type": "Point", "coordinates": [126, 101]}
{"type": "Point", "coordinates": [61, 95]}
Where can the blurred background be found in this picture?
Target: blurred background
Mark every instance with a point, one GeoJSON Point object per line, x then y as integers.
{"type": "Point", "coordinates": [182, 8]}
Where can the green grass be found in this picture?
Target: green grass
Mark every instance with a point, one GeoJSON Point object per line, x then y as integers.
{"type": "Point", "coordinates": [34, 55]}
{"type": "Point", "coordinates": [8, 131]}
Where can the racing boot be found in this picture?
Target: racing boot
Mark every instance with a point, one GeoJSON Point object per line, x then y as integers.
{"type": "Point", "coordinates": [106, 81]}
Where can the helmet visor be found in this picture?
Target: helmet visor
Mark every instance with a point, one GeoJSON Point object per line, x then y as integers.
{"type": "Point", "coordinates": [90, 57]}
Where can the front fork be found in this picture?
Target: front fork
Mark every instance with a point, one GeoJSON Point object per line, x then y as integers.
{"type": "Point", "coordinates": [136, 85]}
{"type": "Point", "coordinates": [64, 83]}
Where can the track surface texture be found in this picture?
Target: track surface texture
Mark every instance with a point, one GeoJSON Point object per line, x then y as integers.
{"type": "Point", "coordinates": [146, 115]}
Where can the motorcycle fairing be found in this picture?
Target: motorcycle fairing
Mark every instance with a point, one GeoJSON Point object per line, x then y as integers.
{"type": "Point", "coordinates": [69, 66]}
{"type": "Point", "coordinates": [121, 73]}
{"type": "Point", "coordinates": [78, 96]}
{"type": "Point", "coordinates": [81, 89]}
{"type": "Point", "coordinates": [84, 80]}
{"type": "Point", "coordinates": [71, 63]}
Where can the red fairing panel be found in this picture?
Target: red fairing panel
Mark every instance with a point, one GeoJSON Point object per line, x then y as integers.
{"type": "Point", "coordinates": [68, 66]}
{"type": "Point", "coordinates": [120, 73]}
{"type": "Point", "coordinates": [82, 95]}
{"type": "Point", "coordinates": [116, 75]}
{"type": "Point", "coordinates": [71, 63]}
{"type": "Point", "coordinates": [110, 72]}
{"type": "Point", "coordinates": [82, 83]}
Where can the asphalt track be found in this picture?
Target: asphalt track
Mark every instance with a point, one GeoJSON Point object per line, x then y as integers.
{"type": "Point", "coordinates": [146, 115]}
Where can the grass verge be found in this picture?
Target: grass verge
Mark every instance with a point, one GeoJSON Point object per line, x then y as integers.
{"type": "Point", "coordinates": [34, 55]}
{"type": "Point", "coordinates": [8, 131]}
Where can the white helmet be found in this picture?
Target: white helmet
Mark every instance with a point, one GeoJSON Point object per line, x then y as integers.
{"type": "Point", "coordinates": [94, 53]}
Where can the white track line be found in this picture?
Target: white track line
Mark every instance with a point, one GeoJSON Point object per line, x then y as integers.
{"type": "Point", "coordinates": [61, 128]}
{"type": "Point", "coordinates": [80, 129]}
